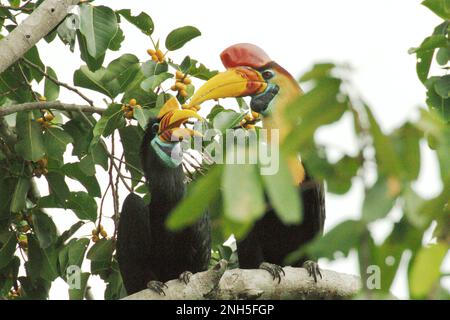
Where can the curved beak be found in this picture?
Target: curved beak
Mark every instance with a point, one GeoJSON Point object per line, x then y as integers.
{"type": "Point", "coordinates": [170, 124]}
{"type": "Point", "coordinates": [235, 82]}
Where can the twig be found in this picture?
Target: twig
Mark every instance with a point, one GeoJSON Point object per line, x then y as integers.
{"type": "Point", "coordinates": [55, 105]}
{"type": "Point", "coordinates": [21, 8]}
{"type": "Point", "coordinates": [57, 82]}
{"type": "Point", "coordinates": [130, 165]}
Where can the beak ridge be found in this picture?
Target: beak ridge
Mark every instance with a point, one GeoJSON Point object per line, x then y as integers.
{"type": "Point", "coordinates": [235, 82]}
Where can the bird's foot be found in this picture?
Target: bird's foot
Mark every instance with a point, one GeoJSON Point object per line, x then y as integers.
{"type": "Point", "coordinates": [185, 277]}
{"type": "Point", "coordinates": [275, 270]}
{"type": "Point", "coordinates": [313, 269]}
{"type": "Point", "coordinates": [157, 286]}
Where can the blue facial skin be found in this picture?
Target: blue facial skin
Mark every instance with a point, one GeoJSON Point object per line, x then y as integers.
{"type": "Point", "coordinates": [261, 103]}
{"type": "Point", "coordinates": [165, 152]}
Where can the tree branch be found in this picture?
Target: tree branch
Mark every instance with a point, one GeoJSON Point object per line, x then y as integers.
{"type": "Point", "coordinates": [57, 82]}
{"type": "Point", "coordinates": [43, 20]}
{"type": "Point", "coordinates": [54, 105]}
{"type": "Point", "coordinates": [256, 284]}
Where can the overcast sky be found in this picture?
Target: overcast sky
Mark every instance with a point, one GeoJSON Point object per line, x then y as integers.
{"type": "Point", "coordinates": [371, 36]}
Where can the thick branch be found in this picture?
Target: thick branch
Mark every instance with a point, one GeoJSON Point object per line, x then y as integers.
{"type": "Point", "coordinates": [53, 105]}
{"type": "Point", "coordinates": [257, 284]}
{"type": "Point", "coordinates": [43, 20]}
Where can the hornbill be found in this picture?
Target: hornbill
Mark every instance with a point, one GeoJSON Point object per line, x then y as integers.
{"type": "Point", "coordinates": [250, 72]}
{"type": "Point", "coordinates": [148, 253]}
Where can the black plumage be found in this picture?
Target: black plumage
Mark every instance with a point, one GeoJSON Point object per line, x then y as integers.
{"type": "Point", "coordinates": [146, 249]}
{"type": "Point", "coordinates": [271, 241]}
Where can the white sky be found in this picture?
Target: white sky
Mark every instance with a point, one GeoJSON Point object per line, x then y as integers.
{"type": "Point", "coordinates": [372, 36]}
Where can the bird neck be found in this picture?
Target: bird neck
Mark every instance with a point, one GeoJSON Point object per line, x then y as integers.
{"type": "Point", "coordinates": [165, 178]}
{"type": "Point", "coordinates": [289, 91]}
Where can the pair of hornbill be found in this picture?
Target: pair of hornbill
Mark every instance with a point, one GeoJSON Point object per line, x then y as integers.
{"type": "Point", "coordinates": [150, 254]}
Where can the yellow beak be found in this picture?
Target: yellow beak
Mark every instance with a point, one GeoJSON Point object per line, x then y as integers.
{"type": "Point", "coordinates": [175, 118]}
{"type": "Point", "coordinates": [235, 82]}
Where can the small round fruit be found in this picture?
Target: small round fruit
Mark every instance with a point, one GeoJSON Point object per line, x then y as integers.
{"type": "Point", "coordinates": [40, 120]}
{"type": "Point", "coordinates": [255, 114]}
{"type": "Point", "coordinates": [129, 115]}
{"type": "Point", "coordinates": [95, 238]}
{"type": "Point", "coordinates": [103, 233]}
{"type": "Point", "coordinates": [183, 93]}
{"type": "Point", "coordinates": [249, 127]}
{"type": "Point", "coordinates": [42, 98]}
{"type": "Point", "coordinates": [151, 52]}
{"type": "Point", "coordinates": [179, 74]}
{"type": "Point", "coordinates": [174, 88]}
{"type": "Point", "coordinates": [187, 81]}
{"type": "Point", "coordinates": [248, 117]}
{"type": "Point", "coordinates": [49, 117]}
{"type": "Point", "coordinates": [133, 102]}
{"type": "Point", "coordinates": [180, 86]}
{"type": "Point", "coordinates": [94, 232]}
{"type": "Point", "coordinates": [160, 55]}
{"type": "Point", "coordinates": [155, 58]}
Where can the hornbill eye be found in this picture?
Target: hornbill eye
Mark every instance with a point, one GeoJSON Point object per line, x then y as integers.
{"type": "Point", "coordinates": [155, 128]}
{"type": "Point", "coordinates": [268, 74]}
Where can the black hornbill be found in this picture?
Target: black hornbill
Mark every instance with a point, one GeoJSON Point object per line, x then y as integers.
{"type": "Point", "coordinates": [252, 73]}
{"type": "Point", "coordinates": [148, 253]}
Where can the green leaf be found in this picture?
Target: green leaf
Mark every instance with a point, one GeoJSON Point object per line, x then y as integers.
{"type": "Point", "coordinates": [99, 26]}
{"type": "Point", "coordinates": [45, 229]}
{"type": "Point", "coordinates": [69, 233]}
{"type": "Point", "coordinates": [33, 56]}
{"type": "Point", "coordinates": [30, 145]}
{"type": "Point", "coordinates": [227, 119]}
{"type": "Point", "coordinates": [111, 120]}
{"type": "Point", "coordinates": [179, 37]}
{"type": "Point", "coordinates": [67, 30]}
{"type": "Point", "coordinates": [318, 71]}
{"type": "Point", "coordinates": [378, 201]}
{"type": "Point", "coordinates": [439, 7]}
{"type": "Point", "coordinates": [76, 252]}
{"type": "Point", "coordinates": [101, 251]}
{"type": "Point", "coordinates": [425, 271]}
{"type": "Point", "coordinates": [51, 90]}
{"type": "Point", "coordinates": [153, 82]}
{"type": "Point", "coordinates": [78, 294]}
{"type": "Point", "coordinates": [201, 194]}
{"type": "Point", "coordinates": [387, 159]}
{"type": "Point", "coordinates": [120, 73]}
{"type": "Point", "coordinates": [58, 187]}
{"type": "Point", "coordinates": [152, 68]}
{"type": "Point", "coordinates": [407, 145]}
{"type": "Point", "coordinates": [116, 42]}
{"type": "Point", "coordinates": [113, 80]}
{"type": "Point", "coordinates": [131, 136]}
{"type": "Point", "coordinates": [85, 78]}
{"type": "Point", "coordinates": [142, 21]}
{"type": "Point", "coordinates": [19, 197]}
{"type": "Point", "coordinates": [73, 171]}
{"type": "Point", "coordinates": [7, 251]}
{"type": "Point", "coordinates": [284, 196]}
{"type": "Point", "coordinates": [341, 238]}
{"type": "Point", "coordinates": [93, 63]}
{"type": "Point", "coordinates": [83, 205]}
{"type": "Point", "coordinates": [241, 206]}
{"type": "Point", "coordinates": [56, 141]}
{"type": "Point", "coordinates": [442, 86]}
{"type": "Point", "coordinates": [97, 155]}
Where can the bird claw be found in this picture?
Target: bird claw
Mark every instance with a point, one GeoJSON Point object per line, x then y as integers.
{"type": "Point", "coordinates": [185, 277]}
{"type": "Point", "coordinates": [157, 286]}
{"type": "Point", "coordinates": [313, 269]}
{"type": "Point", "coordinates": [275, 270]}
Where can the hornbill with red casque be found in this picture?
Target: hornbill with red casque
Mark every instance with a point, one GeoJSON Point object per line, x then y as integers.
{"type": "Point", "coordinates": [148, 253]}
{"type": "Point", "coordinates": [250, 72]}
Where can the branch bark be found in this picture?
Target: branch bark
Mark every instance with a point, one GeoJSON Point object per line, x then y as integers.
{"type": "Point", "coordinates": [54, 105]}
{"type": "Point", "coordinates": [43, 20]}
{"type": "Point", "coordinates": [222, 284]}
